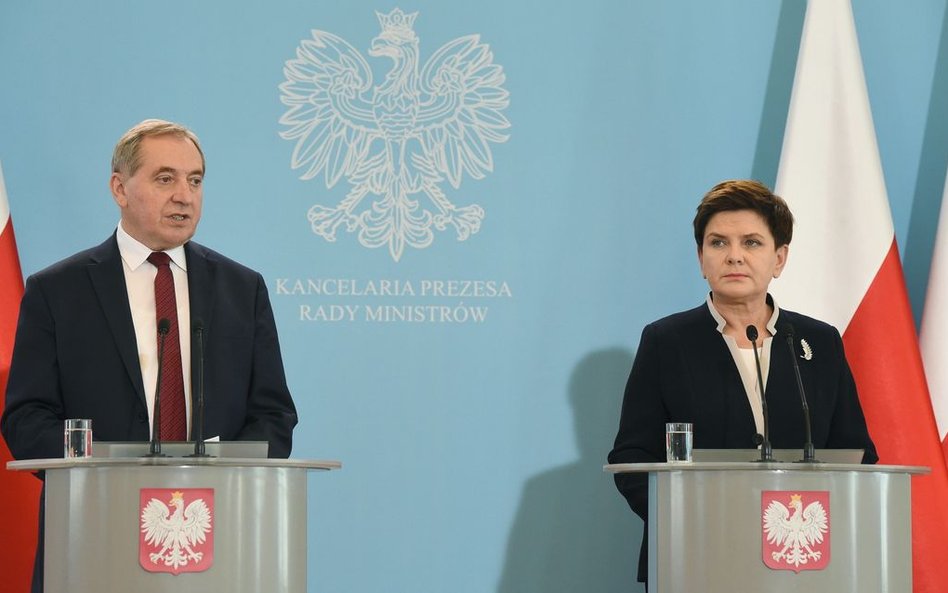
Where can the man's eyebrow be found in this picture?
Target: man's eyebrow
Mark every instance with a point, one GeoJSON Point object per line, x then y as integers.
{"type": "Point", "coordinates": [168, 169]}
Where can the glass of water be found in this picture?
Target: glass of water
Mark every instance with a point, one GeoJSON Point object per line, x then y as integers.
{"type": "Point", "coordinates": [78, 438]}
{"type": "Point", "coordinates": [678, 437]}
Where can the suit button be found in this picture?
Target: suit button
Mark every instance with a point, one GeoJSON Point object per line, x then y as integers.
{"type": "Point", "coordinates": [142, 417]}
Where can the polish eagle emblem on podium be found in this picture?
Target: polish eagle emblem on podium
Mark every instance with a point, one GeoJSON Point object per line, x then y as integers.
{"type": "Point", "coordinates": [177, 529]}
{"type": "Point", "coordinates": [796, 536]}
{"type": "Point", "coordinates": [395, 143]}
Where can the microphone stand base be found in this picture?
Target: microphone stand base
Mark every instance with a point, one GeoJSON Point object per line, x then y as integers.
{"type": "Point", "coordinates": [199, 450]}
{"type": "Point", "coordinates": [766, 451]}
{"type": "Point", "coordinates": [154, 448]}
{"type": "Point", "coordinates": [809, 452]}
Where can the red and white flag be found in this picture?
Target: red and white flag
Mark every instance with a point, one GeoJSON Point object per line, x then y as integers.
{"type": "Point", "coordinates": [19, 492]}
{"type": "Point", "coordinates": [844, 266]}
{"type": "Point", "coordinates": [934, 335]}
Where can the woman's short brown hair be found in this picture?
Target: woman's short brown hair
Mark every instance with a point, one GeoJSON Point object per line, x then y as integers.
{"type": "Point", "coordinates": [745, 194]}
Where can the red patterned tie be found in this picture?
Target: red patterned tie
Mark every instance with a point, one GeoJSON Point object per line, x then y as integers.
{"type": "Point", "coordinates": [174, 424]}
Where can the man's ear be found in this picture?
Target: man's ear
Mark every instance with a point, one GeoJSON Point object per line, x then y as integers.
{"type": "Point", "coordinates": [117, 187]}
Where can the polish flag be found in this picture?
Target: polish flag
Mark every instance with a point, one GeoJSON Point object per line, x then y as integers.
{"type": "Point", "coordinates": [844, 266]}
{"type": "Point", "coordinates": [934, 338]}
{"type": "Point", "coordinates": [19, 492]}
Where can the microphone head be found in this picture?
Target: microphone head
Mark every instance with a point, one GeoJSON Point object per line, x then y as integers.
{"type": "Point", "coordinates": [164, 326]}
{"type": "Point", "coordinates": [751, 333]}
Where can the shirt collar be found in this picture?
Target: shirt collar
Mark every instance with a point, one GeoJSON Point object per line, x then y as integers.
{"type": "Point", "coordinates": [771, 324]}
{"type": "Point", "coordinates": [134, 253]}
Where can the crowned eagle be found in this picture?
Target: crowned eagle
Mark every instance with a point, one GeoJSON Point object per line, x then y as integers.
{"type": "Point", "coordinates": [795, 530]}
{"type": "Point", "coordinates": [394, 142]}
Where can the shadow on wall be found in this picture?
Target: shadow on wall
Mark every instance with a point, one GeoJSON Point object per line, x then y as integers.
{"type": "Point", "coordinates": [573, 532]}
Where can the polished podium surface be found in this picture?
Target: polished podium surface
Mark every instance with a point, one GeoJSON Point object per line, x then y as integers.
{"type": "Point", "coordinates": [706, 531]}
{"type": "Point", "coordinates": [94, 522]}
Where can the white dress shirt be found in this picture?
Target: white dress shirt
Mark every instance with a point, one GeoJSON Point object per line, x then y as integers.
{"type": "Point", "coordinates": [140, 283]}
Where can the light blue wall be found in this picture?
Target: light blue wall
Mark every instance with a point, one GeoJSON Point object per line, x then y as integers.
{"type": "Point", "coordinates": [472, 450]}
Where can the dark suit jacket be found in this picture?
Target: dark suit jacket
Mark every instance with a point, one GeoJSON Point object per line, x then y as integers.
{"type": "Point", "coordinates": [684, 372]}
{"type": "Point", "coordinates": [75, 355]}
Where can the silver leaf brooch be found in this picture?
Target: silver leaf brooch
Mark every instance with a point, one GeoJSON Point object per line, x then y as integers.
{"type": "Point", "coordinates": [807, 351]}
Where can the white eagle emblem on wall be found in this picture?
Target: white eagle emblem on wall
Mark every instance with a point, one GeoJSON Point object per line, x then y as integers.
{"type": "Point", "coordinates": [794, 533]}
{"type": "Point", "coordinates": [397, 141]}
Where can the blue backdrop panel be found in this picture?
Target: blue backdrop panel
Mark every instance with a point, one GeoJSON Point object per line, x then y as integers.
{"type": "Point", "coordinates": [500, 197]}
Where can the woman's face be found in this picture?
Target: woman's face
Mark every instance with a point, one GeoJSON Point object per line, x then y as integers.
{"type": "Point", "coordinates": [738, 256]}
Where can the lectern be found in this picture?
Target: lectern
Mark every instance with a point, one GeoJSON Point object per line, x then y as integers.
{"type": "Point", "coordinates": [709, 529]}
{"type": "Point", "coordinates": [252, 511]}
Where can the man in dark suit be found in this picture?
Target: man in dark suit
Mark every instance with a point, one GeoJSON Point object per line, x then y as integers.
{"type": "Point", "coordinates": [694, 366]}
{"type": "Point", "coordinates": [87, 338]}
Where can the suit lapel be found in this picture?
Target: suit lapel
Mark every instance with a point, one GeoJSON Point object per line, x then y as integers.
{"type": "Point", "coordinates": [108, 281]}
{"type": "Point", "coordinates": [781, 370]}
{"type": "Point", "coordinates": [786, 413]}
{"type": "Point", "coordinates": [720, 384]}
{"type": "Point", "coordinates": [201, 272]}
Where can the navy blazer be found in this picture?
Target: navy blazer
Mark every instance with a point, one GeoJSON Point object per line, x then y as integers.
{"type": "Point", "coordinates": [75, 355]}
{"type": "Point", "coordinates": [684, 372]}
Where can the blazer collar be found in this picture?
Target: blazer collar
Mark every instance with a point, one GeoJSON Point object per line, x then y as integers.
{"type": "Point", "coordinates": [771, 323]}
{"type": "Point", "coordinates": [202, 270]}
{"type": "Point", "coordinates": [108, 281]}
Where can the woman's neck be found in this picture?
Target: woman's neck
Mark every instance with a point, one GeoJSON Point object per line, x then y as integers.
{"type": "Point", "coordinates": [737, 316]}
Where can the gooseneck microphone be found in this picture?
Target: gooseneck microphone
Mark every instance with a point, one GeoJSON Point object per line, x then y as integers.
{"type": "Point", "coordinates": [766, 450]}
{"type": "Point", "coordinates": [164, 326]}
{"type": "Point", "coordinates": [197, 388]}
{"type": "Point", "coordinates": [809, 454]}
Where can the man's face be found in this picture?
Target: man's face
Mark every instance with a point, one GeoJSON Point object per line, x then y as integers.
{"type": "Point", "coordinates": [161, 202]}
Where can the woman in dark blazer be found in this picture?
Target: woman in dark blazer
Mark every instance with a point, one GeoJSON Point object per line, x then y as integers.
{"type": "Point", "coordinates": [693, 366]}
